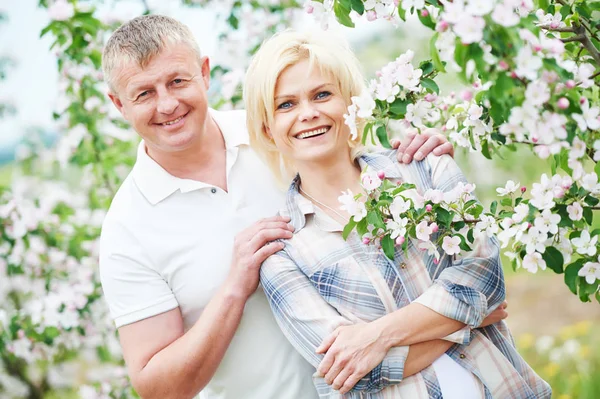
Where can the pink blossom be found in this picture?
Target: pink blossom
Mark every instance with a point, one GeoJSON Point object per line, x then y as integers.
{"type": "Point", "coordinates": [563, 103]}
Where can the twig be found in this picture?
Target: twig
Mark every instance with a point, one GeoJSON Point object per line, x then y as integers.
{"type": "Point", "coordinates": [558, 29]}
{"type": "Point", "coordinates": [578, 38]}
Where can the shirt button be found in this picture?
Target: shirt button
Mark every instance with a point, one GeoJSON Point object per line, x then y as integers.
{"type": "Point", "coordinates": [403, 265]}
{"type": "Point", "coordinates": [213, 190]}
{"type": "Point", "coordinates": [462, 356]}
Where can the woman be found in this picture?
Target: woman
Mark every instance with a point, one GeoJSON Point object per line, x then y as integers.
{"type": "Point", "coordinates": [372, 327]}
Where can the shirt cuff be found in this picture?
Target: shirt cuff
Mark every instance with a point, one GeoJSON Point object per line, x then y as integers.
{"type": "Point", "coordinates": [455, 302]}
{"type": "Point", "coordinates": [462, 336]}
{"type": "Point", "coordinates": [392, 366]}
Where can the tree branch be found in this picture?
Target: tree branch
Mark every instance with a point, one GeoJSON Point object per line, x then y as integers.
{"type": "Point", "coordinates": [578, 38]}
{"type": "Point", "coordinates": [558, 29]}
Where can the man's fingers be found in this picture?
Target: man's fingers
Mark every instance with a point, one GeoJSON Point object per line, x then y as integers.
{"type": "Point", "coordinates": [267, 250]}
{"type": "Point", "coordinates": [267, 235]}
{"type": "Point", "coordinates": [340, 380]}
{"type": "Point", "coordinates": [427, 147]}
{"type": "Point", "coordinates": [350, 383]}
{"type": "Point", "coordinates": [415, 144]}
{"type": "Point", "coordinates": [446, 148]}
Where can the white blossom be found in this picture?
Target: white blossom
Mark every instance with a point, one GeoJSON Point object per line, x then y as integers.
{"type": "Point", "coordinates": [585, 244]}
{"type": "Point", "coordinates": [591, 272]}
{"type": "Point", "coordinates": [534, 261]}
{"type": "Point", "coordinates": [451, 245]}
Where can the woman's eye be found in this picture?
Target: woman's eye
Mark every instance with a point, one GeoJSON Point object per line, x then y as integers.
{"type": "Point", "coordinates": [323, 94]}
{"type": "Point", "coordinates": [284, 105]}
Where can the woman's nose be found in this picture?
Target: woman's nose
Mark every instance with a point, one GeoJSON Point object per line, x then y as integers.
{"type": "Point", "coordinates": [307, 112]}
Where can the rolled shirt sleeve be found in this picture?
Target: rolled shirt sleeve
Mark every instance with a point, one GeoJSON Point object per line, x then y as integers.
{"type": "Point", "coordinates": [473, 285]}
{"type": "Point", "coordinates": [307, 319]}
{"type": "Point", "coordinates": [133, 289]}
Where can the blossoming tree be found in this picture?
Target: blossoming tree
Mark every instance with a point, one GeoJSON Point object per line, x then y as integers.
{"type": "Point", "coordinates": [531, 67]}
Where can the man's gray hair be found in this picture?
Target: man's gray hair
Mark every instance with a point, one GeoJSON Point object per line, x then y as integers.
{"type": "Point", "coordinates": [141, 39]}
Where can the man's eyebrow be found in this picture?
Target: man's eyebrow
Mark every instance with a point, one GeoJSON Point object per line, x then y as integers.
{"type": "Point", "coordinates": [319, 87]}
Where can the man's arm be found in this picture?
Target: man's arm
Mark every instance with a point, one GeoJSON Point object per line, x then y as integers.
{"type": "Point", "coordinates": [418, 146]}
{"type": "Point", "coordinates": [162, 361]}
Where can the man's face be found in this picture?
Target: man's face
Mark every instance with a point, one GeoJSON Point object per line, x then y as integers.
{"type": "Point", "coordinates": [165, 102]}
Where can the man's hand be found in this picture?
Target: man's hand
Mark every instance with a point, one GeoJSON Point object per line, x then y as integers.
{"type": "Point", "coordinates": [350, 353]}
{"type": "Point", "coordinates": [420, 145]}
{"type": "Point", "coordinates": [251, 247]}
{"type": "Point", "coordinates": [499, 314]}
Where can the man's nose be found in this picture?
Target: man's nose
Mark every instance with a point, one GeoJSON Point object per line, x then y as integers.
{"type": "Point", "coordinates": [307, 112]}
{"type": "Point", "coordinates": [167, 103]}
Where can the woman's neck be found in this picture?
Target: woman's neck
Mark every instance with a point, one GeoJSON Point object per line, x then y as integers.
{"type": "Point", "coordinates": [325, 181]}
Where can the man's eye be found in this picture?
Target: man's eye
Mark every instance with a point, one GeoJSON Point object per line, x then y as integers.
{"type": "Point", "coordinates": [284, 105]}
{"type": "Point", "coordinates": [177, 81]}
{"type": "Point", "coordinates": [323, 94]}
{"type": "Point", "coordinates": [143, 94]}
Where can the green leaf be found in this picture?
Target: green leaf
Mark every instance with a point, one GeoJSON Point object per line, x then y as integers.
{"type": "Point", "coordinates": [463, 243]}
{"type": "Point", "coordinates": [591, 201]}
{"type": "Point", "coordinates": [493, 207]}
{"type": "Point", "coordinates": [401, 12]}
{"type": "Point", "coordinates": [485, 149]}
{"type": "Point", "coordinates": [506, 201]}
{"type": "Point", "coordinates": [588, 215]}
{"type": "Point", "coordinates": [398, 107]}
{"type": "Point", "coordinates": [374, 218]}
{"type": "Point", "coordinates": [470, 236]}
{"type": "Point", "coordinates": [387, 244]}
{"type": "Point", "coordinates": [343, 14]}
{"type": "Point", "coordinates": [361, 227]}
{"type": "Point", "coordinates": [358, 6]}
{"type": "Point", "coordinates": [554, 259]}
{"type": "Point", "coordinates": [444, 217]}
{"type": "Point", "coordinates": [597, 169]}
{"type": "Point", "coordinates": [427, 21]}
{"type": "Point", "coordinates": [434, 53]}
{"type": "Point", "coordinates": [571, 276]}
{"type": "Point", "coordinates": [348, 228]}
{"type": "Point", "coordinates": [426, 67]}
{"type": "Point", "coordinates": [430, 85]}
{"type": "Point", "coordinates": [383, 137]}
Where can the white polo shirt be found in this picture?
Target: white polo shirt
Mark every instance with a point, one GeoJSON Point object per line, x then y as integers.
{"type": "Point", "coordinates": [167, 242]}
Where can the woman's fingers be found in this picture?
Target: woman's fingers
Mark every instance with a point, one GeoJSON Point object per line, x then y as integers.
{"type": "Point", "coordinates": [327, 342]}
{"type": "Point", "coordinates": [326, 364]}
{"type": "Point", "coordinates": [342, 377]}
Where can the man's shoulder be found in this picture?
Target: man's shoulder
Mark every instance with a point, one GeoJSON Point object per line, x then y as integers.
{"type": "Point", "coordinates": [231, 115]}
{"type": "Point", "coordinates": [124, 205]}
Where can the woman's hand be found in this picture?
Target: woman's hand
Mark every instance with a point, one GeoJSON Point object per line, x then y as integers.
{"type": "Point", "coordinates": [350, 353]}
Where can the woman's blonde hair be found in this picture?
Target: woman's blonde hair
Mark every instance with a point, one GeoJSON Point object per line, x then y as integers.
{"type": "Point", "coordinates": [324, 50]}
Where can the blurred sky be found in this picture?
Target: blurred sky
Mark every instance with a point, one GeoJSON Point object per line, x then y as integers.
{"type": "Point", "coordinates": [32, 84]}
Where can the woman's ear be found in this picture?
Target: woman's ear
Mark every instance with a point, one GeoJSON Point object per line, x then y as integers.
{"type": "Point", "coordinates": [267, 132]}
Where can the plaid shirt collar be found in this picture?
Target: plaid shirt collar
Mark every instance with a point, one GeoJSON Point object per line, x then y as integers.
{"type": "Point", "coordinates": [297, 206]}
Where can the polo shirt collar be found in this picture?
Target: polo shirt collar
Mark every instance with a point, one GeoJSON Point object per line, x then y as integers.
{"type": "Point", "coordinates": [156, 184]}
{"type": "Point", "coordinates": [298, 206]}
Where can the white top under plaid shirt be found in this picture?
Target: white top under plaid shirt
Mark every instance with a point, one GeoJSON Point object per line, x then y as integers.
{"type": "Point", "coordinates": [319, 281]}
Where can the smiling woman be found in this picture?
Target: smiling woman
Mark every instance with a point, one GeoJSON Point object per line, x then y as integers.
{"type": "Point", "coordinates": [351, 311]}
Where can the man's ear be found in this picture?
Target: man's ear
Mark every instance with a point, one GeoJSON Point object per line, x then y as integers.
{"type": "Point", "coordinates": [117, 102]}
{"type": "Point", "coordinates": [205, 67]}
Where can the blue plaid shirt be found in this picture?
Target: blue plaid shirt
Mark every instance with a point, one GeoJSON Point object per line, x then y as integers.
{"type": "Point", "coordinates": [320, 281]}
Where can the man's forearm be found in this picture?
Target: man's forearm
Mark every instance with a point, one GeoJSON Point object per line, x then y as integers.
{"type": "Point", "coordinates": [183, 368]}
{"type": "Point", "coordinates": [423, 354]}
{"type": "Point", "coordinates": [415, 323]}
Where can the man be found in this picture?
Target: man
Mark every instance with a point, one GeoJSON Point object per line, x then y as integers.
{"type": "Point", "coordinates": [189, 314]}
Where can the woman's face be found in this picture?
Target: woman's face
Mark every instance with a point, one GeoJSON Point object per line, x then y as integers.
{"type": "Point", "coordinates": [308, 124]}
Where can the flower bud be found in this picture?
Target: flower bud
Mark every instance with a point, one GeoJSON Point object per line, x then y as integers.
{"type": "Point", "coordinates": [366, 240]}
{"type": "Point", "coordinates": [442, 26]}
{"type": "Point", "coordinates": [309, 8]}
{"type": "Point", "coordinates": [466, 95]}
{"type": "Point", "coordinates": [554, 24]}
{"type": "Point", "coordinates": [513, 75]}
{"type": "Point", "coordinates": [430, 97]}
{"type": "Point", "coordinates": [424, 13]}
{"type": "Point", "coordinates": [434, 227]}
{"type": "Point", "coordinates": [400, 240]}
{"type": "Point", "coordinates": [371, 15]}
{"type": "Point", "coordinates": [436, 261]}
{"type": "Point", "coordinates": [523, 189]}
{"type": "Point", "coordinates": [537, 48]}
{"type": "Point", "coordinates": [571, 84]}
{"type": "Point", "coordinates": [381, 174]}
{"type": "Point", "coordinates": [428, 207]}
{"type": "Point", "coordinates": [563, 103]}
{"type": "Point", "coordinates": [582, 100]}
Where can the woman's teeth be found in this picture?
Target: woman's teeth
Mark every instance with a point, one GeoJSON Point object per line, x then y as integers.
{"type": "Point", "coordinates": [312, 133]}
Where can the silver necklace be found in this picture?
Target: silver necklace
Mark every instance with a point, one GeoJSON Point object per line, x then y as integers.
{"type": "Point", "coordinates": [344, 218]}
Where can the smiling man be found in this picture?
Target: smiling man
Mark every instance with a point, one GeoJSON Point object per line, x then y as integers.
{"type": "Point", "coordinates": [178, 263]}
